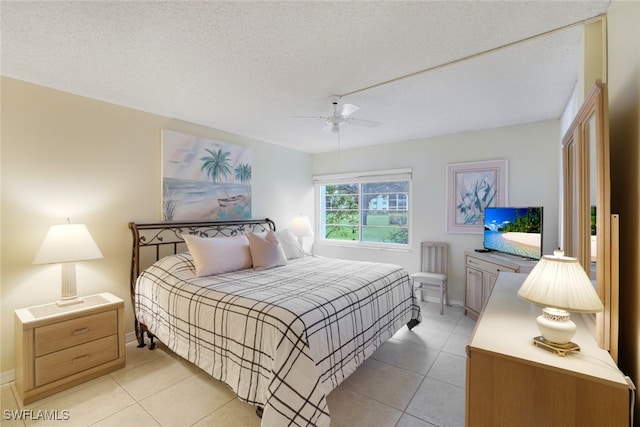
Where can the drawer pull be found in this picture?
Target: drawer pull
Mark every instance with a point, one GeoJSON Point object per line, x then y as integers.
{"type": "Point", "coordinates": [80, 359]}
{"type": "Point", "coordinates": [80, 331]}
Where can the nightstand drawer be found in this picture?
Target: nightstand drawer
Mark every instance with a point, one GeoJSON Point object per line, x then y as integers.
{"type": "Point", "coordinates": [70, 333]}
{"type": "Point", "coordinates": [63, 363]}
{"type": "Point", "coordinates": [488, 267]}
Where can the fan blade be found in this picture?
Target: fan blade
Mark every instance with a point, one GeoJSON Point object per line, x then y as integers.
{"type": "Point", "coordinates": [309, 117]}
{"type": "Point", "coordinates": [362, 122]}
{"type": "Point", "coordinates": [348, 109]}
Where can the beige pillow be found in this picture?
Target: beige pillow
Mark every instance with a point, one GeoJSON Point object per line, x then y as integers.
{"type": "Point", "coordinates": [266, 252]}
{"type": "Point", "coordinates": [215, 255]}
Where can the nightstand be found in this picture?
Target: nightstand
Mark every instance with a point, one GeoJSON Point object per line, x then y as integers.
{"type": "Point", "coordinates": [58, 347]}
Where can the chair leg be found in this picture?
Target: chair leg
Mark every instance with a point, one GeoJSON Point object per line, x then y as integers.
{"type": "Point", "coordinates": [415, 290]}
{"type": "Point", "coordinates": [446, 293]}
{"type": "Point", "coordinates": [441, 299]}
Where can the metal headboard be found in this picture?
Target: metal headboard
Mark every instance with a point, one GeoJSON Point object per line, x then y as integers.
{"type": "Point", "coordinates": [155, 240]}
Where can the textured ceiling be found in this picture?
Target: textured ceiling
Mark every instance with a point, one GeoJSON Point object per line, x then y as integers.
{"type": "Point", "coordinates": [249, 67]}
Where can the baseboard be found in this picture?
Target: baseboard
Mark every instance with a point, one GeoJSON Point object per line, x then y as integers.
{"type": "Point", "coordinates": [436, 299]}
{"type": "Point", "coordinates": [7, 377]}
{"type": "Point", "coordinates": [129, 336]}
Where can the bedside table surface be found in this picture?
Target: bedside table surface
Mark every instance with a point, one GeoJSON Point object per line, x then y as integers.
{"type": "Point", "coordinates": [47, 311]}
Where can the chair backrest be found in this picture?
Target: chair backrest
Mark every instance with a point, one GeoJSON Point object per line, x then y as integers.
{"type": "Point", "coordinates": [434, 257]}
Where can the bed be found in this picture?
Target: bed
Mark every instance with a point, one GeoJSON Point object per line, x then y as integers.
{"type": "Point", "coordinates": [281, 338]}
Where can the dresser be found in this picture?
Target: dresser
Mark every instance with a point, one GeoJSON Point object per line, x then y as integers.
{"type": "Point", "coordinates": [511, 382]}
{"type": "Point", "coordinates": [481, 271]}
{"type": "Point", "coordinates": [58, 347]}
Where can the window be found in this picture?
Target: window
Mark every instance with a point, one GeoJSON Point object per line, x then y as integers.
{"type": "Point", "coordinates": [367, 208]}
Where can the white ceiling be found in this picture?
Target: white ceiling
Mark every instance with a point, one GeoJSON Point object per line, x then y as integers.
{"type": "Point", "coordinates": [248, 67]}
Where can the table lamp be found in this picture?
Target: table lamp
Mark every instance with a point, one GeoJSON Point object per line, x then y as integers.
{"type": "Point", "coordinates": [561, 285]}
{"type": "Point", "coordinates": [66, 244]}
{"type": "Point", "coordinates": [301, 227]}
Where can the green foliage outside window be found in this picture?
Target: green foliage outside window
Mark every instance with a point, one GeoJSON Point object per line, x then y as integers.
{"type": "Point", "coordinates": [368, 212]}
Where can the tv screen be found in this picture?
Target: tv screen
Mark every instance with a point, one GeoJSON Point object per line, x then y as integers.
{"type": "Point", "coordinates": [516, 231]}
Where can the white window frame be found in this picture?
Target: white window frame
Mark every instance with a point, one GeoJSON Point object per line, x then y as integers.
{"type": "Point", "coordinates": [360, 178]}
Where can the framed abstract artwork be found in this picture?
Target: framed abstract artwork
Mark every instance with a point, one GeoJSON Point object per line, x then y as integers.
{"type": "Point", "coordinates": [472, 187]}
{"type": "Point", "coordinates": [203, 179]}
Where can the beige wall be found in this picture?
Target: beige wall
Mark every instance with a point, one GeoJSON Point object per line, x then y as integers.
{"type": "Point", "coordinates": [624, 123]}
{"type": "Point", "coordinates": [99, 164]}
{"type": "Point", "coordinates": [533, 155]}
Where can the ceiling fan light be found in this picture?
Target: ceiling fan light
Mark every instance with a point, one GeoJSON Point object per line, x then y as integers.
{"type": "Point", "coordinates": [335, 120]}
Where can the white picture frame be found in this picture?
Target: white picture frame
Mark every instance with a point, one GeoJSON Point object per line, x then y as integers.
{"type": "Point", "coordinates": [472, 187]}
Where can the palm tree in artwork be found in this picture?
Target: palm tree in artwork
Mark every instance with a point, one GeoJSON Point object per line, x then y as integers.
{"type": "Point", "coordinates": [216, 166]}
{"type": "Point", "coordinates": [243, 174]}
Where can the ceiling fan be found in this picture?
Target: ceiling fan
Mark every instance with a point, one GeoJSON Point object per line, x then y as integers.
{"type": "Point", "coordinates": [341, 115]}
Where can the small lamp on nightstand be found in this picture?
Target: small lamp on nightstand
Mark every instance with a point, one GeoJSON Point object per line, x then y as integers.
{"type": "Point", "coordinates": [66, 244]}
{"type": "Point", "coordinates": [561, 285]}
{"type": "Point", "coordinates": [301, 227]}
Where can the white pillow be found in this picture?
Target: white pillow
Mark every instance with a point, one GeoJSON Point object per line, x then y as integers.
{"type": "Point", "coordinates": [215, 255]}
{"type": "Point", "coordinates": [292, 247]}
{"type": "Point", "coordinates": [266, 252]}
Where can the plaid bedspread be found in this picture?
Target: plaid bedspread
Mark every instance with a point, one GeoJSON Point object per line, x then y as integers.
{"type": "Point", "coordinates": [281, 338]}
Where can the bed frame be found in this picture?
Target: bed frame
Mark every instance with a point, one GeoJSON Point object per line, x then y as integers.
{"type": "Point", "coordinates": [155, 240]}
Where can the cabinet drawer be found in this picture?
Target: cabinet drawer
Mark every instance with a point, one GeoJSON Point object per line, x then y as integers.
{"type": "Point", "coordinates": [70, 333]}
{"type": "Point", "coordinates": [489, 267]}
{"type": "Point", "coordinates": [66, 362]}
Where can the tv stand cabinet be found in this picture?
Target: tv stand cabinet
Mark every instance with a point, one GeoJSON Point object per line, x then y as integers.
{"type": "Point", "coordinates": [481, 272]}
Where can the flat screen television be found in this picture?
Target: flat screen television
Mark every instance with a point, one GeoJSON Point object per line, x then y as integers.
{"type": "Point", "coordinates": [515, 231]}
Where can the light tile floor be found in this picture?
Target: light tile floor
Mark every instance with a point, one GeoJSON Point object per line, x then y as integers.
{"type": "Point", "coordinates": [416, 379]}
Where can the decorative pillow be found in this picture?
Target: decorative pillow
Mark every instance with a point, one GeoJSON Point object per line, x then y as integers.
{"type": "Point", "coordinates": [266, 252]}
{"type": "Point", "coordinates": [292, 247]}
{"type": "Point", "coordinates": [215, 255]}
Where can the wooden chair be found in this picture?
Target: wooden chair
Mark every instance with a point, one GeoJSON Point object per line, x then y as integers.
{"type": "Point", "coordinates": [433, 271]}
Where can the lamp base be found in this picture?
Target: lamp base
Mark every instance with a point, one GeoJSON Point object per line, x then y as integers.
{"type": "Point", "coordinates": [69, 301]}
{"type": "Point", "coordinates": [559, 349]}
{"type": "Point", "coordinates": [69, 295]}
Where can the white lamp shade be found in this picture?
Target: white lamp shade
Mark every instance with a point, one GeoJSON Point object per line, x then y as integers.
{"type": "Point", "coordinates": [301, 227]}
{"type": "Point", "coordinates": [561, 282]}
{"type": "Point", "coordinates": [67, 243]}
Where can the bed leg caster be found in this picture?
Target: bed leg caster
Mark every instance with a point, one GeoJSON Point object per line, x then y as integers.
{"type": "Point", "coordinates": [412, 323]}
{"type": "Point", "coordinates": [152, 343]}
{"type": "Point", "coordinates": [140, 338]}
{"type": "Point", "coordinates": [141, 343]}
{"type": "Point", "coordinates": [259, 411]}
{"type": "Point", "coordinates": [139, 334]}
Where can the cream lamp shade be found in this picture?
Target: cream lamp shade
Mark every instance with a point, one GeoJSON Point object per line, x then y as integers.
{"type": "Point", "coordinates": [561, 285]}
{"type": "Point", "coordinates": [66, 244]}
{"type": "Point", "coordinates": [301, 227]}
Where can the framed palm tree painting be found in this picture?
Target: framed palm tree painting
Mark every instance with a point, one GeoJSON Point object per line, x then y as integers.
{"type": "Point", "coordinates": [203, 179]}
